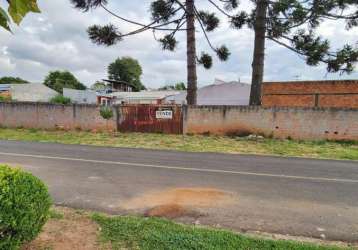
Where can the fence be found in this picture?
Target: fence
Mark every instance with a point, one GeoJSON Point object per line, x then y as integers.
{"type": "Point", "coordinates": [150, 118]}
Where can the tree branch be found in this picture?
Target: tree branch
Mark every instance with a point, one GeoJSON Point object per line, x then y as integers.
{"type": "Point", "coordinates": [144, 26]}
{"type": "Point", "coordinates": [203, 29]}
{"type": "Point", "coordinates": [220, 9]}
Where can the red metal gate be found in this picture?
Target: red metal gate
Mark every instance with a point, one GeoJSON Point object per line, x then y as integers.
{"type": "Point", "coordinates": [166, 119]}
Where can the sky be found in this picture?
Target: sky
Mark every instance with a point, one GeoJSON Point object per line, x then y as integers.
{"type": "Point", "coordinates": [56, 39]}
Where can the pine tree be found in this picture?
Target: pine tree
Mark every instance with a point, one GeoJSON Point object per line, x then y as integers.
{"type": "Point", "coordinates": [170, 17]}
{"type": "Point", "coordinates": [292, 24]}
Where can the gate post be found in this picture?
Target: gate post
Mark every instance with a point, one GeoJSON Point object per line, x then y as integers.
{"type": "Point", "coordinates": [116, 111]}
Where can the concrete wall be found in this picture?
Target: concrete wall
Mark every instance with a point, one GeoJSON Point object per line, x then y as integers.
{"type": "Point", "coordinates": [278, 122]}
{"type": "Point", "coordinates": [81, 96]}
{"type": "Point", "coordinates": [49, 116]}
{"type": "Point", "coordinates": [297, 123]}
{"type": "Point", "coordinates": [339, 94]}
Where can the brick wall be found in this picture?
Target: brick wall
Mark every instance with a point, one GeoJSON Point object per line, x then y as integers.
{"type": "Point", "coordinates": [343, 94]}
{"type": "Point", "coordinates": [49, 116]}
{"type": "Point", "coordinates": [278, 122]}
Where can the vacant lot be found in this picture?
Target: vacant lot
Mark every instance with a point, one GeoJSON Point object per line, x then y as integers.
{"type": "Point", "coordinates": [75, 229]}
{"type": "Point", "coordinates": [197, 143]}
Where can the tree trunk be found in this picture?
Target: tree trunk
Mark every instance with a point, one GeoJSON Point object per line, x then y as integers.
{"type": "Point", "coordinates": [259, 52]}
{"type": "Point", "coordinates": [191, 53]}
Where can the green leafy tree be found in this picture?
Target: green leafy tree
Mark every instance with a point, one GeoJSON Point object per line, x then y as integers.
{"type": "Point", "coordinates": [128, 70]}
{"type": "Point", "coordinates": [12, 80]}
{"type": "Point", "coordinates": [170, 17]}
{"type": "Point", "coordinates": [293, 24]}
{"type": "Point", "coordinates": [17, 10]}
{"type": "Point", "coordinates": [58, 80]}
{"type": "Point", "coordinates": [98, 85]}
{"type": "Point", "coordinates": [178, 86]}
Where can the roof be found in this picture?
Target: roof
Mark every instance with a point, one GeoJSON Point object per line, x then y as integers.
{"type": "Point", "coordinates": [32, 92]}
{"type": "Point", "coordinates": [5, 87]}
{"type": "Point", "coordinates": [152, 95]}
{"type": "Point", "coordinates": [118, 82]}
{"type": "Point", "coordinates": [219, 93]}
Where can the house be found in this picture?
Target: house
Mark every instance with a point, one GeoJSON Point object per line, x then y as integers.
{"type": "Point", "coordinates": [119, 86]}
{"type": "Point", "coordinates": [105, 99]}
{"type": "Point", "coordinates": [219, 93]}
{"type": "Point", "coordinates": [81, 96]}
{"type": "Point", "coordinates": [143, 97]}
{"type": "Point", "coordinates": [31, 92]}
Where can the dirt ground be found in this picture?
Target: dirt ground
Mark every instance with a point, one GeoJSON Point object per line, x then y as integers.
{"type": "Point", "coordinates": [75, 231]}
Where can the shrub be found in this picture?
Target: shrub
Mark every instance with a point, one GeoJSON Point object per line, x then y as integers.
{"type": "Point", "coordinates": [106, 113]}
{"type": "Point", "coordinates": [24, 207]}
{"type": "Point", "coordinates": [5, 98]}
{"type": "Point", "coordinates": [60, 99]}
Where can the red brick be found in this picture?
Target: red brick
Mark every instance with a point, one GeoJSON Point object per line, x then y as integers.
{"type": "Point", "coordinates": [343, 93]}
{"type": "Point", "coordinates": [288, 100]}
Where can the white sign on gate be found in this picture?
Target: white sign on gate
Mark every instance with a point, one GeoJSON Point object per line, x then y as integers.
{"type": "Point", "coordinates": [164, 114]}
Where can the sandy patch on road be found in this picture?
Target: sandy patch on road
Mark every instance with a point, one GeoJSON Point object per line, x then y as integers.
{"type": "Point", "coordinates": [178, 202]}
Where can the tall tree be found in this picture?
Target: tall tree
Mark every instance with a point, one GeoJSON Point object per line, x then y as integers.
{"type": "Point", "coordinates": [17, 10]}
{"type": "Point", "coordinates": [292, 24]}
{"type": "Point", "coordinates": [57, 80]}
{"type": "Point", "coordinates": [128, 70]}
{"type": "Point", "coordinates": [170, 17]}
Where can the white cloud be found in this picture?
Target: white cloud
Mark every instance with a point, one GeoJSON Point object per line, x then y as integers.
{"type": "Point", "coordinates": [57, 39]}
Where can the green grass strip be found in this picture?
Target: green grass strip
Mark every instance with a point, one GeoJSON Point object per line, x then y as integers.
{"type": "Point", "coordinates": [195, 143]}
{"type": "Point", "coordinates": [125, 232]}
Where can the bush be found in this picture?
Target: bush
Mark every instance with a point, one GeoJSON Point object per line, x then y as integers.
{"type": "Point", "coordinates": [60, 99]}
{"type": "Point", "coordinates": [106, 113]}
{"type": "Point", "coordinates": [5, 98]}
{"type": "Point", "coordinates": [24, 207]}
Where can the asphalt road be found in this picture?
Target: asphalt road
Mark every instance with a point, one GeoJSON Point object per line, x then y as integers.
{"type": "Point", "coordinates": [301, 197]}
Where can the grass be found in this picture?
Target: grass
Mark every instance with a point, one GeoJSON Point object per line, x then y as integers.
{"type": "Point", "coordinates": [152, 233]}
{"type": "Point", "coordinates": [56, 215]}
{"type": "Point", "coordinates": [195, 143]}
